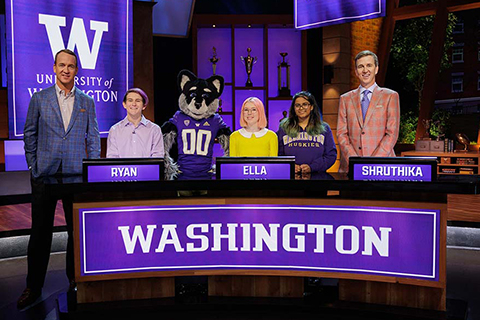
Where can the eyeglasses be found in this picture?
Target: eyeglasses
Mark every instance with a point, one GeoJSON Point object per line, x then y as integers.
{"type": "Point", "coordinates": [304, 105]}
{"type": "Point", "coordinates": [253, 110]}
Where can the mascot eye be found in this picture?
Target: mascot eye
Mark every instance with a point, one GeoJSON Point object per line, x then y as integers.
{"type": "Point", "coordinates": [193, 95]}
{"type": "Point", "coordinates": [205, 96]}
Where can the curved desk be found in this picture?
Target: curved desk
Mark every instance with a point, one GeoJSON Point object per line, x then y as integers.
{"type": "Point", "coordinates": [385, 241]}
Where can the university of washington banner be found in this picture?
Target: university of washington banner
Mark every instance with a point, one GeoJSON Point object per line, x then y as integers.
{"type": "Point", "coordinates": [321, 13]}
{"type": "Point", "coordinates": [99, 32]}
{"type": "Point", "coordinates": [395, 242]}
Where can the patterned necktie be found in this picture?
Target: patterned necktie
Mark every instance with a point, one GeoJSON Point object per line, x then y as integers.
{"type": "Point", "coordinates": [365, 103]}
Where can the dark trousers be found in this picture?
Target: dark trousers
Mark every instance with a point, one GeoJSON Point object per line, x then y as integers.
{"type": "Point", "coordinates": [43, 213]}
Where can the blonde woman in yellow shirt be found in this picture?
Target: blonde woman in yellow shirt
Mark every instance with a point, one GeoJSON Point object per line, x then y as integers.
{"type": "Point", "coordinates": [253, 139]}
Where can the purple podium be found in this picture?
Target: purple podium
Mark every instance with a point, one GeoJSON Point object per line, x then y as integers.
{"type": "Point", "coordinates": [258, 238]}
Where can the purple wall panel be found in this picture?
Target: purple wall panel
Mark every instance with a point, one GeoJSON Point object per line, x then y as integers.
{"type": "Point", "coordinates": [275, 109]}
{"type": "Point", "coordinates": [221, 39]}
{"type": "Point", "coordinates": [227, 99]}
{"type": "Point", "coordinates": [228, 118]}
{"type": "Point", "coordinates": [240, 96]}
{"type": "Point", "coordinates": [249, 38]}
{"type": "Point", "coordinates": [217, 149]}
{"type": "Point", "coordinates": [290, 41]}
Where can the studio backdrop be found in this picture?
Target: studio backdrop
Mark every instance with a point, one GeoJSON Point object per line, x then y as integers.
{"type": "Point", "coordinates": [98, 31]}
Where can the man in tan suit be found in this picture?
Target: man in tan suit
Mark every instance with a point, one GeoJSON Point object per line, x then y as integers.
{"type": "Point", "coordinates": [368, 117]}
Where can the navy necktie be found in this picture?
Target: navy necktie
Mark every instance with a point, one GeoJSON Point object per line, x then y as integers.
{"type": "Point", "coordinates": [365, 103]}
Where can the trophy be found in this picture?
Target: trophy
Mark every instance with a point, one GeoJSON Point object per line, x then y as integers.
{"type": "Point", "coordinates": [283, 88]}
{"type": "Point", "coordinates": [463, 140]}
{"type": "Point", "coordinates": [248, 61]}
{"type": "Point", "coordinates": [214, 60]}
{"type": "Point", "coordinates": [220, 102]}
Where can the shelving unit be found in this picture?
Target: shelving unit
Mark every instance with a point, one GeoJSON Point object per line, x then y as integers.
{"type": "Point", "coordinates": [267, 36]}
{"type": "Point", "coordinates": [451, 162]}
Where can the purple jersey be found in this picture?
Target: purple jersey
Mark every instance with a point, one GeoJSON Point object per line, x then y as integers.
{"type": "Point", "coordinates": [195, 139]}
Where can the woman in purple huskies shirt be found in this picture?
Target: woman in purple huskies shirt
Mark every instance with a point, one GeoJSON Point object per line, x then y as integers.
{"type": "Point", "coordinates": [304, 135]}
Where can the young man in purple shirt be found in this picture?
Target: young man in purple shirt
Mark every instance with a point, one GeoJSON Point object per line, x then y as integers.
{"type": "Point", "coordinates": [135, 136]}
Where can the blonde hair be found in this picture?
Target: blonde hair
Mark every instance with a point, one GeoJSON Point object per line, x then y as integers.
{"type": "Point", "coordinates": [262, 119]}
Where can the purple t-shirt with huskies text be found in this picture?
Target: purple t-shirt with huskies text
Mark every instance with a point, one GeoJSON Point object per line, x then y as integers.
{"type": "Point", "coordinates": [318, 152]}
{"type": "Point", "coordinates": [195, 139]}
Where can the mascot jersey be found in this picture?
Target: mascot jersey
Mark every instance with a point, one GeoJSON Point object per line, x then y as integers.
{"type": "Point", "coordinates": [195, 139]}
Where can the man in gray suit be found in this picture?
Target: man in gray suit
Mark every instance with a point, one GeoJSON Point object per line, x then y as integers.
{"type": "Point", "coordinates": [61, 125]}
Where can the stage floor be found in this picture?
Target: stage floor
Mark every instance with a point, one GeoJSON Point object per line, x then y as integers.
{"type": "Point", "coordinates": [463, 283]}
{"type": "Point", "coordinates": [14, 183]}
{"type": "Point", "coordinates": [15, 209]}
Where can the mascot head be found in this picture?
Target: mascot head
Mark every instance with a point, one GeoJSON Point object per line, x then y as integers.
{"type": "Point", "coordinates": [199, 97]}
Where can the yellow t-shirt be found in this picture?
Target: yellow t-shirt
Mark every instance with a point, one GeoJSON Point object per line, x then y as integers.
{"type": "Point", "coordinates": [263, 143]}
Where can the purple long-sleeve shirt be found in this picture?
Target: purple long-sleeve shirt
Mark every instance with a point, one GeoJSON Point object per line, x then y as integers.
{"type": "Point", "coordinates": [319, 152]}
{"type": "Point", "coordinates": [127, 141]}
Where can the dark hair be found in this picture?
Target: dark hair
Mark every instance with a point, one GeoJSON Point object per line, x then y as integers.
{"type": "Point", "coordinates": [138, 91]}
{"type": "Point", "coordinates": [68, 51]}
{"type": "Point", "coordinates": [365, 53]}
{"type": "Point", "coordinates": [315, 124]}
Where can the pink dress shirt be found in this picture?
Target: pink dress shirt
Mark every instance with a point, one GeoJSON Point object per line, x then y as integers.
{"type": "Point", "coordinates": [127, 141]}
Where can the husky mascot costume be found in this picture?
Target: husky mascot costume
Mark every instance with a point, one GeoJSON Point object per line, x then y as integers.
{"type": "Point", "coordinates": [195, 127]}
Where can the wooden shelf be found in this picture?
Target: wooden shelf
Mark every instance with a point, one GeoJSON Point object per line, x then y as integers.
{"type": "Point", "coordinates": [440, 154]}
{"type": "Point", "coordinates": [455, 174]}
{"type": "Point", "coordinates": [453, 156]}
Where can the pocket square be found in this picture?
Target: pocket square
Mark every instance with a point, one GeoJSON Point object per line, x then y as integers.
{"type": "Point", "coordinates": [379, 106]}
{"type": "Point", "coordinates": [83, 110]}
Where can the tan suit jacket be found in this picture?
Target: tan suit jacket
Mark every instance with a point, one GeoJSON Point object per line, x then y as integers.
{"type": "Point", "coordinates": [375, 137]}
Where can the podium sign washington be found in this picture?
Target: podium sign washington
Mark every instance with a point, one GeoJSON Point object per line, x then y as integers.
{"type": "Point", "coordinates": [99, 32]}
{"type": "Point", "coordinates": [383, 241]}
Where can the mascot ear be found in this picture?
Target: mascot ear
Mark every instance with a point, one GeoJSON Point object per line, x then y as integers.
{"type": "Point", "coordinates": [183, 77]}
{"type": "Point", "coordinates": [218, 82]}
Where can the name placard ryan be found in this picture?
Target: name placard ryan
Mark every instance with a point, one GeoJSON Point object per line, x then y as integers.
{"type": "Point", "coordinates": [122, 173]}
